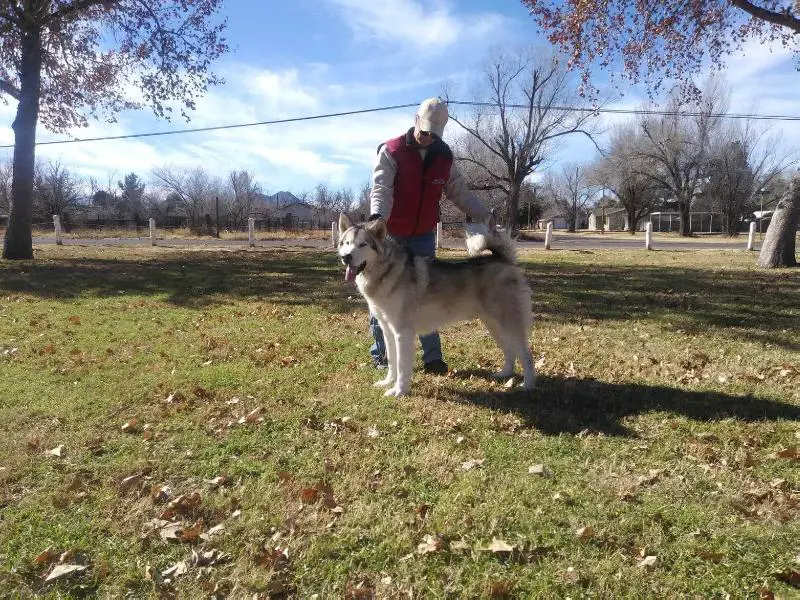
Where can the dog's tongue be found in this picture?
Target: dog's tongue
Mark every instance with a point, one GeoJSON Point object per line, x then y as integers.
{"type": "Point", "coordinates": [349, 274]}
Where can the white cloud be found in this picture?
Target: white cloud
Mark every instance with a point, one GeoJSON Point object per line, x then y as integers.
{"type": "Point", "coordinates": [423, 26]}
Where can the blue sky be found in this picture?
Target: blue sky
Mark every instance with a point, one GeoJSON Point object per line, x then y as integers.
{"type": "Point", "coordinates": [308, 57]}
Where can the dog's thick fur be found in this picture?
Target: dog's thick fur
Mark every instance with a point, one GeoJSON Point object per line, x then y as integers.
{"type": "Point", "coordinates": [411, 294]}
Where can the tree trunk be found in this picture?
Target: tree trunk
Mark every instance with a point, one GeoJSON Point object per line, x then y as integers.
{"type": "Point", "coordinates": [778, 249]}
{"type": "Point", "coordinates": [512, 208]}
{"type": "Point", "coordinates": [631, 220]}
{"type": "Point", "coordinates": [685, 208]}
{"type": "Point", "coordinates": [18, 242]}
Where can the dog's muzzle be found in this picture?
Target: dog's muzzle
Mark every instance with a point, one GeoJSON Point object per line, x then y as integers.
{"type": "Point", "coordinates": [350, 273]}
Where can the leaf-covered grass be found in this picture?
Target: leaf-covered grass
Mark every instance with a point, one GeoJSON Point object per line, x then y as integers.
{"type": "Point", "coordinates": [192, 389]}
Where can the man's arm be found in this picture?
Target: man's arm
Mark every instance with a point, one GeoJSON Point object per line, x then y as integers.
{"type": "Point", "coordinates": [381, 196]}
{"type": "Point", "coordinates": [458, 193]}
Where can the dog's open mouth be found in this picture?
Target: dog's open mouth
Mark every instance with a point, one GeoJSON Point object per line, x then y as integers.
{"type": "Point", "coordinates": [350, 273]}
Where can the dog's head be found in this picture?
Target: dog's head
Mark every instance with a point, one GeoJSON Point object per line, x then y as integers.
{"type": "Point", "coordinates": [359, 245]}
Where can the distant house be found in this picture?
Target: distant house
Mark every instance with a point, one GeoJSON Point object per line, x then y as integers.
{"type": "Point", "coordinates": [296, 211]}
{"type": "Point", "coordinates": [552, 215]}
{"type": "Point", "coordinates": [699, 221]}
{"type": "Point", "coordinates": [616, 219]}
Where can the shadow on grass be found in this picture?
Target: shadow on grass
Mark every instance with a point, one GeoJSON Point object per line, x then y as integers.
{"type": "Point", "coordinates": [573, 405]}
{"type": "Point", "coordinates": [764, 303]}
{"type": "Point", "coordinates": [694, 300]}
{"type": "Point", "coordinates": [189, 279]}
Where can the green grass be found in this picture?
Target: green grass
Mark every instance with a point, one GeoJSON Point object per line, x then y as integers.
{"type": "Point", "coordinates": [668, 389]}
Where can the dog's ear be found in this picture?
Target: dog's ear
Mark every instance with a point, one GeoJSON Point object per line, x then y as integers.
{"type": "Point", "coordinates": [377, 229]}
{"type": "Point", "coordinates": [344, 223]}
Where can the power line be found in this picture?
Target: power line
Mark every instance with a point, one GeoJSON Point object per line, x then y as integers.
{"type": "Point", "coordinates": [619, 111]}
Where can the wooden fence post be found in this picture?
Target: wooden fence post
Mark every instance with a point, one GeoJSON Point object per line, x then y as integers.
{"type": "Point", "coordinates": [251, 223]}
{"type": "Point", "coordinates": [752, 237]}
{"type": "Point", "coordinates": [57, 226]}
{"type": "Point", "coordinates": [152, 231]}
{"type": "Point", "coordinates": [648, 236]}
{"type": "Point", "coordinates": [548, 237]}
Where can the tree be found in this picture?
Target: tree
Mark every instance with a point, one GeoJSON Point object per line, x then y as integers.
{"type": "Point", "coordinates": [653, 42]}
{"type": "Point", "coordinates": [244, 191]}
{"type": "Point", "coordinates": [192, 190]}
{"type": "Point", "coordinates": [778, 249]}
{"type": "Point", "coordinates": [64, 60]}
{"type": "Point", "coordinates": [743, 161]}
{"type": "Point", "coordinates": [324, 202]}
{"type": "Point", "coordinates": [132, 196]}
{"type": "Point", "coordinates": [363, 204]}
{"type": "Point", "coordinates": [6, 170]}
{"type": "Point", "coordinates": [623, 171]}
{"type": "Point", "coordinates": [570, 192]}
{"type": "Point", "coordinates": [676, 147]}
{"type": "Point", "coordinates": [56, 189]}
{"type": "Point", "coordinates": [527, 116]}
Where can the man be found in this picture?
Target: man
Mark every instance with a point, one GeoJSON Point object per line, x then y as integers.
{"type": "Point", "coordinates": [411, 173]}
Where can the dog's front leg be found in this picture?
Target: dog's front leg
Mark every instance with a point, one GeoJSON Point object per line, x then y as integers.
{"type": "Point", "coordinates": [391, 356]}
{"type": "Point", "coordinates": [404, 358]}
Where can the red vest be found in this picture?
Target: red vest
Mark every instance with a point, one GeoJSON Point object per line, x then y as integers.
{"type": "Point", "coordinates": [418, 185]}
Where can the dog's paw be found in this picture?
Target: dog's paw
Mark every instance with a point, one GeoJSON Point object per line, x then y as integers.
{"type": "Point", "coordinates": [502, 374]}
{"type": "Point", "coordinates": [384, 382]}
{"type": "Point", "coordinates": [395, 391]}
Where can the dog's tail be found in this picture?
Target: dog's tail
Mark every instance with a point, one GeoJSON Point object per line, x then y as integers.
{"type": "Point", "coordinates": [480, 238]}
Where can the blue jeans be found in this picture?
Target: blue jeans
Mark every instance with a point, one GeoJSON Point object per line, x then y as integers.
{"type": "Point", "coordinates": [421, 245]}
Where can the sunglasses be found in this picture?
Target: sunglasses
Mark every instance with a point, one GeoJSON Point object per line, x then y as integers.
{"type": "Point", "coordinates": [425, 133]}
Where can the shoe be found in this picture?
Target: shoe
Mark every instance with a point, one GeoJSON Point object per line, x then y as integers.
{"type": "Point", "coordinates": [380, 364]}
{"type": "Point", "coordinates": [436, 367]}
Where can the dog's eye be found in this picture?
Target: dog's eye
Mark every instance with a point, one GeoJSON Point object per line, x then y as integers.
{"type": "Point", "coordinates": [362, 244]}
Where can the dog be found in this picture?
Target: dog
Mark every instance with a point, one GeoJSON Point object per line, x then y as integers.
{"type": "Point", "coordinates": [416, 295]}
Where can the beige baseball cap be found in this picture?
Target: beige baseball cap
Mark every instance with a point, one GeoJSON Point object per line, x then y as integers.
{"type": "Point", "coordinates": [432, 116]}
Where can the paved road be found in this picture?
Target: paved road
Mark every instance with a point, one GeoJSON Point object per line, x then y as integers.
{"type": "Point", "coordinates": [559, 243]}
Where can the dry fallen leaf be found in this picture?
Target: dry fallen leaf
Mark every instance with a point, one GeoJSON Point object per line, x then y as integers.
{"type": "Point", "coordinates": [471, 464]}
{"type": "Point", "coordinates": [309, 495]}
{"type": "Point", "coordinates": [790, 576]}
{"type": "Point", "coordinates": [57, 451]}
{"type": "Point", "coordinates": [179, 568]}
{"type": "Point", "coordinates": [500, 546]}
{"type": "Point", "coordinates": [711, 556]}
{"type": "Point", "coordinates": [791, 453]}
{"type": "Point", "coordinates": [46, 556]}
{"type": "Point", "coordinates": [62, 570]}
{"type": "Point", "coordinates": [218, 481]}
{"type": "Point", "coordinates": [254, 416]}
{"type": "Point", "coordinates": [131, 426]}
{"type": "Point", "coordinates": [540, 470]}
{"type": "Point", "coordinates": [430, 544]}
{"type": "Point", "coordinates": [459, 546]}
{"type": "Point", "coordinates": [171, 532]}
{"type": "Point", "coordinates": [131, 482]}
{"type": "Point", "coordinates": [648, 562]}
{"type": "Point", "coordinates": [584, 534]}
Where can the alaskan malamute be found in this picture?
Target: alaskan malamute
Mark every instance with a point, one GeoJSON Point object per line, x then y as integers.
{"type": "Point", "coordinates": [411, 295]}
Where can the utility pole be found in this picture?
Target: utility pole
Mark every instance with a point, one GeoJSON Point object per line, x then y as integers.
{"type": "Point", "coordinates": [216, 201]}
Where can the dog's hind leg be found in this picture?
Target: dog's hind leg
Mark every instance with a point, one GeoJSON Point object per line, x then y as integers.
{"type": "Point", "coordinates": [506, 344]}
{"type": "Point", "coordinates": [404, 358]}
{"type": "Point", "coordinates": [528, 369]}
